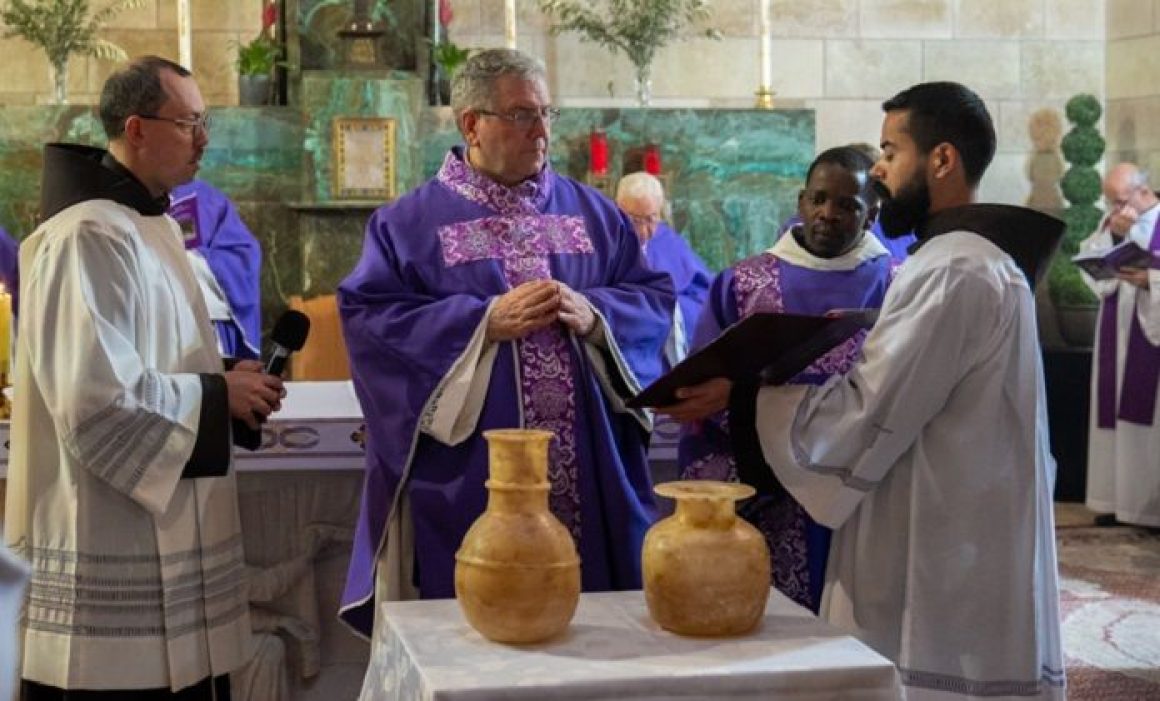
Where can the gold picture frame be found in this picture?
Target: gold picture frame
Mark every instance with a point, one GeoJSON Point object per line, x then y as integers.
{"type": "Point", "coordinates": [364, 158]}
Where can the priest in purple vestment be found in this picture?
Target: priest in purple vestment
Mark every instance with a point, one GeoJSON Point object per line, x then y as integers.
{"type": "Point", "coordinates": [9, 266]}
{"type": "Point", "coordinates": [641, 196]}
{"type": "Point", "coordinates": [827, 262]}
{"type": "Point", "coordinates": [227, 260]}
{"type": "Point", "coordinates": [498, 294]}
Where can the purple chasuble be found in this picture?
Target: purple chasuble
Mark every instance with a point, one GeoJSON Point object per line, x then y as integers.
{"type": "Point", "coordinates": [432, 262]}
{"type": "Point", "coordinates": [235, 258]}
{"type": "Point", "coordinates": [668, 251]}
{"type": "Point", "coordinates": [1141, 364]}
{"type": "Point", "coordinates": [765, 283]}
{"type": "Point", "coordinates": [9, 267]}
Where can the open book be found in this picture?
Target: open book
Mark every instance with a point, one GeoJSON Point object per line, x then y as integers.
{"type": "Point", "coordinates": [1103, 264]}
{"type": "Point", "coordinates": [774, 346]}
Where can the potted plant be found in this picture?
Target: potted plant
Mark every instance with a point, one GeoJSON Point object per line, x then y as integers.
{"type": "Point", "coordinates": [255, 62]}
{"type": "Point", "coordinates": [449, 57]}
{"type": "Point", "coordinates": [62, 28]}
{"type": "Point", "coordinates": [639, 28]}
{"type": "Point", "coordinates": [1075, 305]}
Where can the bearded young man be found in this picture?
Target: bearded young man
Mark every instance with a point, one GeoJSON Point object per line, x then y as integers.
{"type": "Point", "coordinates": [930, 457]}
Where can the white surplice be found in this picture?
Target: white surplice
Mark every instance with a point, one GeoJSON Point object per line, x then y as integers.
{"type": "Point", "coordinates": [138, 577]}
{"type": "Point", "coordinates": [931, 461]}
{"type": "Point", "coordinates": [1123, 476]}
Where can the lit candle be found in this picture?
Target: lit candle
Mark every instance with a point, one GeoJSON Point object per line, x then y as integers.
{"type": "Point", "coordinates": [184, 35]}
{"type": "Point", "coordinates": [652, 159]}
{"type": "Point", "coordinates": [598, 152]}
{"type": "Point", "coordinates": [5, 334]}
{"type": "Point", "coordinates": [509, 23]}
{"type": "Point", "coordinates": [766, 48]}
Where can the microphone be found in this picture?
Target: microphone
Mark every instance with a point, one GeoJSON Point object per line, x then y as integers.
{"type": "Point", "coordinates": [289, 335]}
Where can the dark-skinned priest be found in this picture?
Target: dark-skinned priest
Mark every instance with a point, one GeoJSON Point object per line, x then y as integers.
{"type": "Point", "coordinates": [499, 294]}
{"type": "Point", "coordinates": [929, 457]}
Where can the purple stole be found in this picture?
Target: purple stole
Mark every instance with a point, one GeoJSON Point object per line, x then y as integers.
{"type": "Point", "coordinates": [1141, 364]}
{"type": "Point", "coordinates": [522, 239]}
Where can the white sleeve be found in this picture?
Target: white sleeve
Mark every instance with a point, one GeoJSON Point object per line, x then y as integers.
{"type": "Point", "coordinates": [127, 423]}
{"type": "Point", "coordinates": [453, 411]}
{"type": "Point", "coordinates": [831, 445]}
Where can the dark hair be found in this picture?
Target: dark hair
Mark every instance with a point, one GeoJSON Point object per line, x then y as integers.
{"type": "Point", "coordinates": [946, 112]}
{"type": "Point", "coordinates": [850, 158]}
{"type": "Point", "coordinates": [135, 89]}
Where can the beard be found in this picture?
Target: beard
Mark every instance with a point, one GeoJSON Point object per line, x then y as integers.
{"type": "Point", "coordinates": [900, 214]}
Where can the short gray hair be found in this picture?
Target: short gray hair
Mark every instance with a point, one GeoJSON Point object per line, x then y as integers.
{"type": "Point", "coordinates": [473, 85]}
{"type": "Point", "coordinates": [640, 185]}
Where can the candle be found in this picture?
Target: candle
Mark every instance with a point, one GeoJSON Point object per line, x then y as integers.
{"type": "Point", "coordinates": [509, 23]}
{"type": "Point", "coordinates": [5, 333]}
{"type": "Point", "coordinates": [598, 152]}
{"type": "Point", "coordinates": [766, 48]}
{"type": "Point", "coordinates": [184, 35]}
{"type": "Point", "coordinates": [652, 159]}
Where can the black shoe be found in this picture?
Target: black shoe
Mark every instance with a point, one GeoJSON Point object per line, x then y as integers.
{"type": "Point", "coordinates": [1106, 520]}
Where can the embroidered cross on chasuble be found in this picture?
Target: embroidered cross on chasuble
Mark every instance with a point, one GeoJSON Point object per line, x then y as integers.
{"type": "Point", "coordinates": [522, 240]}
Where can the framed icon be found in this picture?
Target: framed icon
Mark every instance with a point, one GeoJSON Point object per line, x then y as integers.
{"type": "Point", "coordinates": [364, 158]}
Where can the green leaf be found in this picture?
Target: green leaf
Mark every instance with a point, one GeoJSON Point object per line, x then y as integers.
{"type": "Point", "coordinates": [636, 28]}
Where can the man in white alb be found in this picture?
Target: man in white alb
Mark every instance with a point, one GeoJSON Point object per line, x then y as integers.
{"type": "Point", "coordinates": [120, 492]}
{"type": "Point", "coordinates": [1123, 470]}
{"type": "Point", "coordinates": [930, 457]}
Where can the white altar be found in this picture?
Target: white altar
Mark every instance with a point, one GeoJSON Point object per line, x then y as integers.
{"type": "Point", "coordinates": [425, 651]}
{"type": "Point", "coordinates": [299, 498]}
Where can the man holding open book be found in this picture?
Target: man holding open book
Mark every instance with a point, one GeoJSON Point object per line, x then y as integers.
{"type": "Point", "coordinates": [930, 457]}
{"type": "Point", "coordinates": [1123, 482]}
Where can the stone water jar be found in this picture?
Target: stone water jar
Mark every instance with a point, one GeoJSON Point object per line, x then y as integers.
{"type": "Point", "coordinates": [517, 574]}
{"type": "Point", "coordinates": [706, 572]}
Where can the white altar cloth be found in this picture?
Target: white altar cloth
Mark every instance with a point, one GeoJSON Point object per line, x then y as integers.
{"type": "Point", "coordinates": [425, 651]}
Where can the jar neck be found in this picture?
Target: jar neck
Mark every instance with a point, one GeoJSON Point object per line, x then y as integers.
{"type": "Point", "coordinates": [516, 499]}
{"type": "Point", "coordinates": [718, 514]}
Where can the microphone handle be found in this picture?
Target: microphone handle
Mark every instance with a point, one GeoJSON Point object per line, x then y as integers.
{"type": "Point", "coordinates": [277, 362]}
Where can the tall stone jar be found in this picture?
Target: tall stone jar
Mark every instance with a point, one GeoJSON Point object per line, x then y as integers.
{"type": "Point", "coordinates": [706, 572]}
{"type": "Point", "coordinates": [517, 574]}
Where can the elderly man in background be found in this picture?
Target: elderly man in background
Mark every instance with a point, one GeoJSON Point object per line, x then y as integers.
{"type": "Point", "coordinates": [641, 196]}
{"type": "Point", "coordinates": [1123, 482]}
{"type": "Point", "coordinates": [499, 294]}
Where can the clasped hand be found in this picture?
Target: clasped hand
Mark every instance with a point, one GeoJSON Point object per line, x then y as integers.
{"type": "Point", "coordinates": [699, 401]}
{"type": "Point", "coordinates": [536, 304]}
{"type": "Point", "coordinates": [253, 394]}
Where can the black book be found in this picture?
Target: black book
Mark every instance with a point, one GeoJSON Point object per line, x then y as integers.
{"type": "Point", "coordinates": [1105, 263]}
{"type": "Point", "coordinates": [767, 344]}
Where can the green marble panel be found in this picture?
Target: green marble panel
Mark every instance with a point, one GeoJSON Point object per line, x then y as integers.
{"type": "Point", "coordinates": [255, 153]}
{"type": "Point", "coordinates": [330, 94]}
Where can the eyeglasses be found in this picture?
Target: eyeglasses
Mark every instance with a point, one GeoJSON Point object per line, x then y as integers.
{"type": "Point", "coordinates": [524, 117]}
{"type": "Point", "coordinates": [202, 122]}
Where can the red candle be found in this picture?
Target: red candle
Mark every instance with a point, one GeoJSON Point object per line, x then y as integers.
{"type": "Point", "coordinates": [652, 159]}
{"type": "Point", "coordinates": [598, 152]}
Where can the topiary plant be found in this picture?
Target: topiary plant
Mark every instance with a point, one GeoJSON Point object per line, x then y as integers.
{"type": "Point", "coordinates": [1082, 147]}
